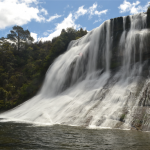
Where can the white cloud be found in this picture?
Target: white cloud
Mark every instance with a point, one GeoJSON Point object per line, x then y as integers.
{"type": "Point", "coordinates": [45, 33]}
{"type": "Point", "coordinates": [70, 20]}
{"type": "Point", "coordinates": [34, 35]}
{"type": "Point", "coordinates": [81, 11]}
{"type": "Point", "coordinates": [50, 30]}
{"type": "Point", "coordinates": [133, 8]}
{"type": "Point", "coordinates": [18, 12]}
{"type": "Point", "coordinates": [67, 6]}
{"type": "Point", "coordinates": [99, 13]}
{"type": "Point", "coordinates": [53, 17]}
{"type": "Point", "coordinates": [26, 1]}
{"type": "Point", "coordinates": [97, 21]}
{"type": "Point", "coordinates": [92, 10]}
{"type": "Point", "coordinates": [44, 11]}
{"type": "Point", "coordinates": [67, 22]}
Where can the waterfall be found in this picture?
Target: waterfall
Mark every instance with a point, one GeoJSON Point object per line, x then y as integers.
{"type": "Point", "coordinates": [107, 55]}
{"type": "Point", "coordinates": [98, 81]}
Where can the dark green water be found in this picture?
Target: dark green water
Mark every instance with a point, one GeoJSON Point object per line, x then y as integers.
{"type": "Point", "coordinates": [18, 136]}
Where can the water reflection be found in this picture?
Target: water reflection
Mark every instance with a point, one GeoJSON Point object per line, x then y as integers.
{"type": "Point", "coordinates": [25, 136]}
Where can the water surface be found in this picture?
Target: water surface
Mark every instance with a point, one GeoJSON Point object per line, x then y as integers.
{"type": "Point", "coordinates": [18, 136]}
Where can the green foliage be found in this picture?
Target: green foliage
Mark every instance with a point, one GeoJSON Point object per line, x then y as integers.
{"type": "Point", "coordinates": [148, 6]}
{"type": "Point", "coordinates": [22, 72]}
{"type": "Point", "coordinates": [3, 94]}
{"type": "Point", "coordinates": [122, 117]}
{"type": "Point", "coordinates": [19, 36]}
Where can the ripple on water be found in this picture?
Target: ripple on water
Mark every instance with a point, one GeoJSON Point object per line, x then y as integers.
{"type": "Point", "coordinates": [20, 136]}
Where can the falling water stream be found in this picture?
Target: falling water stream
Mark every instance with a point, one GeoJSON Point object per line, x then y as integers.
{"type": "Point", "coordinates": [80, 87]}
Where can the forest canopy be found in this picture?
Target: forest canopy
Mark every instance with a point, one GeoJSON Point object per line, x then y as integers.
{"type": "Point", "coordinates": [23, 64]}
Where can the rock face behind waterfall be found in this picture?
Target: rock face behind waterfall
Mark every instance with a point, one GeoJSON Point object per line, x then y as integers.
{"type": "Point", "coordinates": [101, 81]}
{"type": "Point", "coordinates": [118, 26]}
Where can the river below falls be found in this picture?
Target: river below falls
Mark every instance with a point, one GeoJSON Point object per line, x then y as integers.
{"type": "Point", "coordinates": [20, 136]}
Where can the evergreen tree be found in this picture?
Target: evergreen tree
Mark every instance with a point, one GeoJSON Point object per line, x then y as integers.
{"type": "Point", "coordinates": [19, 36]}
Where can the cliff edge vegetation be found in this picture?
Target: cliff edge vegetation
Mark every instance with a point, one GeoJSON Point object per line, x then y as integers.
{"type": "Point", "coordinates": [23, 63]}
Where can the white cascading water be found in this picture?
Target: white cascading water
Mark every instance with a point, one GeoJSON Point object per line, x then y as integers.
{"type": "Point", "coordinates": [80, 89]}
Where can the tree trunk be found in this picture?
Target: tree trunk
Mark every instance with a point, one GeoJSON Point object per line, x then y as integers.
{"type": "Point", "coordinates": [18, 42]}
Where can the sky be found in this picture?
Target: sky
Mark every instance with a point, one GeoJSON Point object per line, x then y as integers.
{"type": "Point", "coordinates": [46, 18]}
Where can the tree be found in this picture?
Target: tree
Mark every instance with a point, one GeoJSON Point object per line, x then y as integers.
{"type": "Point", "coordinates": [71, 33]}
{"type": "Point", "coordinates": [2, 40]}
{"type": "Point", "coordinates": [19, 36]}
{"type": "Point", "coordinates": [22, 72]}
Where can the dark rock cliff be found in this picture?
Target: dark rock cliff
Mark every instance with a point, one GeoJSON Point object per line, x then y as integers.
{"type": "Point", "coordinates": [117, 31]}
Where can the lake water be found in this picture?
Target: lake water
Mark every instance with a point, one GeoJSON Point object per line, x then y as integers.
{"type": "Point", "coordinates": [19, 136]}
